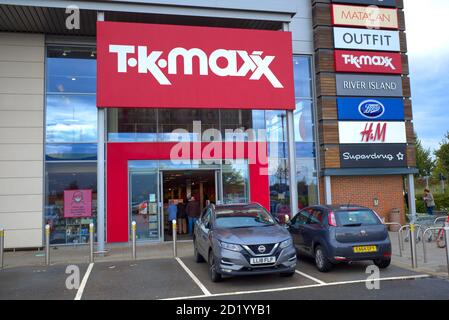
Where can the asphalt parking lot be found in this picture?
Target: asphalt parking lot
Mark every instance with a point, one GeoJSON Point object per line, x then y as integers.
{"type": "Point", "coordinates": [182, 278]}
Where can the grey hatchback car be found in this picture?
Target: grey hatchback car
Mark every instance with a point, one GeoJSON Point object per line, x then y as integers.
{"type": "Point", "coordinates": [338, 234]}
{"type": "Point", "coordinates": [242, 240]}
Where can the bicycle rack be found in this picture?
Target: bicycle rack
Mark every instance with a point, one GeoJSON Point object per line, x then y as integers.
{"type": "Point", "coordinates": [414, 236]}
{"type": "Point", "coordinates": [399, 235]}
{"type": "Point", "coordinates": [419, 229]}
{"type": "Point", "coordinates": [446, 230]}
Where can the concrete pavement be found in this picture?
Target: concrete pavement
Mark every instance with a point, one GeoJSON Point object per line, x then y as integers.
{"type": "Point", "coordinates": [436, 258]}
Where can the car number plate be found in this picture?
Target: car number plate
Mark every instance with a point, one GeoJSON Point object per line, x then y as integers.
{"type": "Point", "coordinates": [365, 249]}
{"type": "Point", "coordinates": [264, 260]}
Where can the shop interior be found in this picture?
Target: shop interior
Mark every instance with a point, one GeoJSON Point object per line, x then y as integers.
{"type": "Point", "coordinates": [177, 187]}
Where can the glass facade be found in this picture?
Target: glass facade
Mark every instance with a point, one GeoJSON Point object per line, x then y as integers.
{"type": "Point", "coordinates": [276, 122]}
{"type": "Point", "coordinates": [70, 142]}
{"type": "Point", "coordinates": [71, 138]}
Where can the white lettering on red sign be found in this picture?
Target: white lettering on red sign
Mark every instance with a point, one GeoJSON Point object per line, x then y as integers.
{"type": "Point", "coordinates": [153, 63]}
{"type": "Point", "coordinates": [360, 61]}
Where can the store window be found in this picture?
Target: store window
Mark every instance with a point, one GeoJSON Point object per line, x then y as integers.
{"type": "Point", "coordinates": [171, 125]}
{"type": "Point", "coordinates": [235, 181]}
{"type": "Point", "coordinates": [70, 201]}
{"type": "Point", "coordinates": [306, 172]}
{"type": "Point", "coordinates": [70, 143]}
{"type": "Point", "coordinates": [306, 175]}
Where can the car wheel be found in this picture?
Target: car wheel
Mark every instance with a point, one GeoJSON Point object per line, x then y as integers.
{"type": "Point", "coordinates": [321, 261]}
{"type": "Point", "coordinates": [214, 275]}
{"type": "Point", "coordinates": [382, 263]}
{"type": "Point", "coordinates": [198, 257]}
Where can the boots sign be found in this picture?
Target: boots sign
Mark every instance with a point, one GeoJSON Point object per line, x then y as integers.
{"type": "Point", "coordinates": [142, 65]}
{"type": "Point", "coordinates": [368, 62]}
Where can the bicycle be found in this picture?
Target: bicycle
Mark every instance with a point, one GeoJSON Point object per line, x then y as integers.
{"type": "Point", "coordinates": [441, 238]}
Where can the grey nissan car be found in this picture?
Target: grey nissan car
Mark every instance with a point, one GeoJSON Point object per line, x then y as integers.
{"type": "Point", "coordinates": [338, 234]}
{"type": "Point", "coordinates": [243, 240]}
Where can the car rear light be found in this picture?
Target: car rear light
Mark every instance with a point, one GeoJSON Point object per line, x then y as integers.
{"type": "Point", "coordinates": [331, 219]}
{"type": "Point", "coordinates": [340, 259]}
{"type": "Point", "coordinates": [387, 255]}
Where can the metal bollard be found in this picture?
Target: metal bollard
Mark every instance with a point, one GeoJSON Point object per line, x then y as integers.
{"type": "Point", "coordinates": [91, 242]}
{"type": "Point", "coordinates": [175, 253]}
{"type": "Point", "coordinates": [133, 239]}
{"type": "Point", "coordinates": [47, 245]}
{"type": "Point", "coordinates": [2, 246]}
{"type": "Point", "coordinates": [413, 246]}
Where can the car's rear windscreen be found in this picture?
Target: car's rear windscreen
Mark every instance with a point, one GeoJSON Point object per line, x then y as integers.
{"type": "Point", "coordinates": [356, 218]}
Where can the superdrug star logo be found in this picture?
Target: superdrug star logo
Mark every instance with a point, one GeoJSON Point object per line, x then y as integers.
{"type": "Point", "coordinates": [253, 65]}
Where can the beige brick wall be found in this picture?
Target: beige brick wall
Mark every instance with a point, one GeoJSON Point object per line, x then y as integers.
{"type": "Point", "coordinates": [21, 138]}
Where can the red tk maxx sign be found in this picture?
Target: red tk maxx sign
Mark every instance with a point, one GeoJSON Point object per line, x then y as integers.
{"type": "Point", "coordinates": [368, 62]}
{"type": "Point", "coordinates": [166, 66]}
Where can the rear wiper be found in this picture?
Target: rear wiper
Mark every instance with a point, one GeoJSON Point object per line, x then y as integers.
{"type": "Point", "coordinates": [353, 225]}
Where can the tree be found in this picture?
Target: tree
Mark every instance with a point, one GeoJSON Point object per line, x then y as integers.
{"type": "Point", "coordinates": [424, 161]}
{"type": "Point", "coordinates": [442, 155]}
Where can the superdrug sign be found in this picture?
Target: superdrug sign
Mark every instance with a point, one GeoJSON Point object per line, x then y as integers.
{"type": "Point", "coordinates": [373, 156]}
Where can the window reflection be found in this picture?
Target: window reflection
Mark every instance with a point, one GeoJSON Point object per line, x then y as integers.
{"type": "Point", "coordinates": [235, 181]}
{"type": "Point", "coordinates": [71, 70]}
{"type": "Point", "coordinates": [303, 76]}
{"type": "Point", "coordinates": [71, 118]}
{"type": "Point", "coordinates": [70, 151]}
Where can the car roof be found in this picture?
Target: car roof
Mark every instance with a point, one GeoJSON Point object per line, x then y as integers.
{"type": "Point", "coordinates": [238, 206]}
{"type": "Point", "coordinates": [340, 207]}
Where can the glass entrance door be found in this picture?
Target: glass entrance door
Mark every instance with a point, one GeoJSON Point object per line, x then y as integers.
{"type": "Point", "coordinates": [144, 198]}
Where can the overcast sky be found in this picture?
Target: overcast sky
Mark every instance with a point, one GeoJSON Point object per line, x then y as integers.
{"type": "Point", "coordinates": [427, 24]}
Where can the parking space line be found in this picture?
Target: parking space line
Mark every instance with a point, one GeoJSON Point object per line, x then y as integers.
{"type": "Point", "coordinates": [79, 294]}
{"type": "Point", "coordinates": [301, 287]}
{"type": "Point", "coordinates": [310, 277]}
{"type": "Point", "coordinates": [194, 278]}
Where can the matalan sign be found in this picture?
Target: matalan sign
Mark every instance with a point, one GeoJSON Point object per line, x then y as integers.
{"type": "Point", "coordinates": [371, 132]}
{"type": "Point", "coordinates": [373, 156]}
{"type": "Point", "coordinates": [362, 16]}
{"type": "Point", "coordinates": [384, 3]}
{"type": "Point", "coordinates": [365, 39]}
{"type": "Point", "coordinates": [368, 62]}
{"type": "Point", "coordinates": [144, 65]}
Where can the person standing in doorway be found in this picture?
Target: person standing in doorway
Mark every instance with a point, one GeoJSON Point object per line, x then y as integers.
{"type": "Point", "coordinates": [429, 201]}
{"type": "Point", "coordinates": [182, 216]}
{"type": "Point", "coordinates": [172, 212]}
{"type": "Point", "coordinates": [193, 212]}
